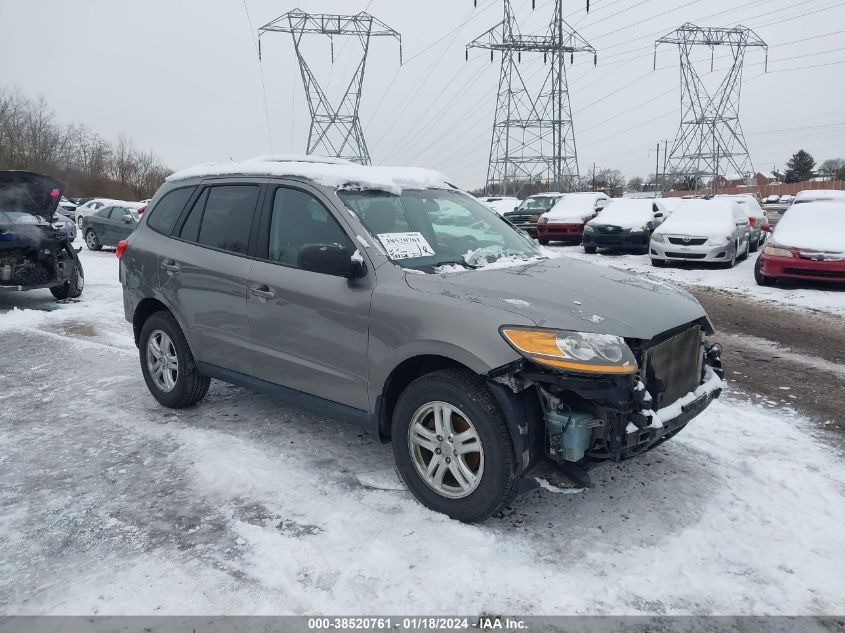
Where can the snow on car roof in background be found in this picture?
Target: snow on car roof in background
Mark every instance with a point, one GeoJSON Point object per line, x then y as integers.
{"type": "Point", "coordinates": [701, 217]}
{"type": "Point", "coordinates": [302, 158]}
{"type": "Point", "coordinates": [389, 179]}
{"type": "Point", "coordinates": [813, 226]}
{"type": "Point", "coordinates": [628, 213]}
{"type": "Point", "coordinates": [820, 194]}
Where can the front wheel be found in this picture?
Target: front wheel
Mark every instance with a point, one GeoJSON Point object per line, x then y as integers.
{"type": "Point", "coordinates": [168, 365]}
{"type": "Point", "coordinates": [452, 446]}
{"type": "Point", "coordinates": [79, 222]}
{"type": "Point", "coordinates": [759, 277]}
{"type": "Point", "coordinates": [71, 289]}
{"type": "Point", "coordinates": [543, 241]}
{"type": "Point", "coordinates": [590, 250]}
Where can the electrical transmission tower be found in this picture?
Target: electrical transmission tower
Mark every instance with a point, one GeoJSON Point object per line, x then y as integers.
{"type": "Point", "coordinates": [335, 131]}
{"type": "Point", "coordinates": [710, 142]}
{"type": "Point", "coordinates": [533, 134]}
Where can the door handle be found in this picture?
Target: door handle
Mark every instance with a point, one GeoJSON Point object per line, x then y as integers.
{"type": "Point", "coordinates": [171, 266]}
{"type": "Point", "coordinates": [262, 292]}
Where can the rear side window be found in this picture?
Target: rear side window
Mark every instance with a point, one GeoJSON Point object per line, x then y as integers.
{"type": "Point", "coordinates": [104, 213]}
{"type": "Point", "coordinates": [222, 218]}
{"type": "Point", "coordinates": [163, 216]}
{"type": "Point", "coordinates": [117, 213]}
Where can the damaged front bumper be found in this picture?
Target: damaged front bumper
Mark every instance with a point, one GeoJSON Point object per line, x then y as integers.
{"type": "Point", "coordinates": [584, 419]}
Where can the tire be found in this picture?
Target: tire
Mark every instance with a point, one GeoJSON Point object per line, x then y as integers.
{"type": "Point", "coordinates": [745, 253]}
{"type": "Point", "coordinates": [73, 288]}
{"type": "Point", "coordinates": [658, 263]}
{"type": "Point", "coordinates": [79, 222]}
{"type": "Point", "coordinates": [590, 250]}
{"type": "Point", "coordinates": [752, 248]}
{"type": "Point", "coordinates": [92, 241]}
{"type": "Point", "coordinates": [732, 262]}
{"type": "Point", "coordinates": [188, 386]}
{"type": "Point", "coordinates": [759, 277]}
{"type": "Point", "coordinates": [543, 242]}
{"type": "Point", "coordinates": [473, 410]}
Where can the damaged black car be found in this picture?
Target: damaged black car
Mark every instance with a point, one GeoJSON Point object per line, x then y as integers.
{"type": "Point", "coordinates": [33, 253]}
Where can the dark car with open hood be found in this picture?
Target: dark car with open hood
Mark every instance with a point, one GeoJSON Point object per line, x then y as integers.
{"type": "Point", "coordinates": [33, 252]}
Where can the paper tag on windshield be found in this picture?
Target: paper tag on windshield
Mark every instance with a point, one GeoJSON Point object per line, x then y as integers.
{"type": "Point", "coordinates": [405, 245]}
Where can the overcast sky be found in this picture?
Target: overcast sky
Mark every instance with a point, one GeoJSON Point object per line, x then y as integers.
{"type": "Point", "coordinates": [182, 77]}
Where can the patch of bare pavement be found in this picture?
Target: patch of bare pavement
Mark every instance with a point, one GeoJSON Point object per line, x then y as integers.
{"type": "Point", "coordinates": [781, 357]}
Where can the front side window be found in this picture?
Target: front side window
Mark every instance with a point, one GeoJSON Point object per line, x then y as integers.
{"type": "Point", "coordinates": [537, 203]}
{"type": "Point", "coordinates": [425, 229]}
{"type": "Point", "coordinates": [104, 213]}
{"type": "Point", "coordinates": [222, 218]}
{"type": "Point", "coordinates": [300, 220]}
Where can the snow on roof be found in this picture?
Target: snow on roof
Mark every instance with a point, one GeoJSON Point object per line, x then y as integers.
{"type": "Point", "coordinates": [302, 158]}
{"type": "Point", "coordinates": [814, 226]}
{"type": "Point", "coordinates": [820, 194]}
{"type": "Point", "coordinates": [336, 175]}
{"type": "Point", "coordinates": [712, 218]}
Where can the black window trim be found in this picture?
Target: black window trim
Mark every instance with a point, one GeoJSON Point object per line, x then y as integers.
{"type": "Point", "coordinates": [261, 183]}
{"type": "Point", "coordinates": [151, 210]}
{"type": "Point", "coordinates": [262, 251]}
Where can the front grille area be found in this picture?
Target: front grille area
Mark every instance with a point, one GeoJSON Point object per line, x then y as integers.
{"type": "Point", "coordinates": [809, 272]}
{"type": "Point", "coordinates": [680, 241]}
{"type": "Point", "coordinates": [672, 368]}
{"type": "Point", "coordinates": [687, 255]}
{"type": "Point", "coordinates": [610, 229]}
{"type": "Point", "coordinates": [519, 219]}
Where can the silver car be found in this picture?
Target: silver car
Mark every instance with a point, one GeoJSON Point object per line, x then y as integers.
{"type": "Point", "coordinates": [703, 231]}
{"type": "Point", "coordinates": [389, 298]}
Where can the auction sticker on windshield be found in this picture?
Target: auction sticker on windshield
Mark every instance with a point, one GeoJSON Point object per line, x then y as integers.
{"type": "Point", "coordinates": [405, 245]}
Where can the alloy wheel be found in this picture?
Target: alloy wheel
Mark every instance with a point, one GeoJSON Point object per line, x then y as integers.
{"type": "Point", "coordinates": [162, 361]}
{"type": "Point", "coordinates": [446, 450]}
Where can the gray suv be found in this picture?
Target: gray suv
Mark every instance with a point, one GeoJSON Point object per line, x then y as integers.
{"type": "Point", "coordinates": [392, 299]}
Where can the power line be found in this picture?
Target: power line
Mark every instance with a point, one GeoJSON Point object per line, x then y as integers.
{"type": "Point", "coordinates": [261, 75]}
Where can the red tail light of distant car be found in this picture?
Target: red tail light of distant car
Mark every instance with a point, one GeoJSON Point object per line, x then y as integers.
{"type": "Point", "coordinates": [121, 248]}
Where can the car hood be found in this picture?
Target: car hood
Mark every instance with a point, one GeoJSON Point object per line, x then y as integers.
{"type": "Point", "coordinates": [27, 192]}
{"type": "Point", "coordinates": [570, 294]}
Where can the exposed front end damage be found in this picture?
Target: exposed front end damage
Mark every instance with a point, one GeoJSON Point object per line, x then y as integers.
{"type": "Point", "coordinates": [41, 259]}
{"type": "Point", "coordinates": [590, 418]}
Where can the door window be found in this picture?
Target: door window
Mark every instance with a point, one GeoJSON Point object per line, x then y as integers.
{"type": "Point", "coordinates": [299, 219]}
{"type": "Point", "coordinates": [222, 218]}
{"type": "Point", "coordinates": [117, 213]}
{"type": "Point", "coordinates": [104, 213]}
{"type": "Point", "coordinates": [164, 215]}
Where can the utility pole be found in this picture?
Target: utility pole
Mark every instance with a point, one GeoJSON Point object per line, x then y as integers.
{"type": "Point", "coordinates": [657, 167]}
{"type": "Point", "coordinates": [335, 130]}
{"type": "Point", "coordinates": [533, 133]}
{"type": "Point", "coordinates": [710, 131]}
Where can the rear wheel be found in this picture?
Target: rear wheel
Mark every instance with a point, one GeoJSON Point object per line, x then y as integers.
{"type": "Point", "coordinates": [543, 241]}
{"type": "Point", "coordinates": [752, 248]}
{"type": "Point", "coordinates": [168, 365]}
{"type": "Point", "coordinates": [79, 222]}
{"type": "Point", "coordinates": [92, 241]}
{"type": "Point", "coordinates": [452, 446]}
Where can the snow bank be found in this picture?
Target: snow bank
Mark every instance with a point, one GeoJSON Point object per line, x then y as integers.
{"type": "Point", "coordinates": [389, 179]}
{"type": "Point", "coordinates": [627, 213]}
{"type": "Point", "coordinates": [814, 226]}
{"type": "Point", "coordinates": [706, 218]}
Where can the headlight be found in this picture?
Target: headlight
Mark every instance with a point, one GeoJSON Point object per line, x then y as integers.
{"type": "Point", "coordinates": [716, 241]}
{"type": "Point", "coordinates": [589, 229]}
{"type": "Point", "coordinates": [774, 251]}
{"type": "Point", "coordinates": [572, 351]}
{"type": "Point", "coordinates": [544, 219]}
{"type": "Point", "coordinates": [658, 237]}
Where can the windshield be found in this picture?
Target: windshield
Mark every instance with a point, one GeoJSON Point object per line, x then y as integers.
{"type": "Point", "coordinates": [538, 203]}
{"type": "Point", "coordinates": [427, 229]}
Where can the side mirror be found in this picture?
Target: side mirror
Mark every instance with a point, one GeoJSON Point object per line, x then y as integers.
{"type": "Point", "coordinates": [659, 215]}
{"type": "Point", "coordinates": [128, 219]}
{"type": "Point", "coordinates": [516, 208]}
{"type": "Point", "coordinates": [330, 259]}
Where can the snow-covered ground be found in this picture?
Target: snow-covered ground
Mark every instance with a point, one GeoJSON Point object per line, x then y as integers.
{"type": "Point", "coordinates": [115, 505]}
{"type": "Point", "coordinates": [825, 298]}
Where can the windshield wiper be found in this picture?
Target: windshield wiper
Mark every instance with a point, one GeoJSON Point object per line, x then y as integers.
{"type": "Point", "coordinates": [457, 262]}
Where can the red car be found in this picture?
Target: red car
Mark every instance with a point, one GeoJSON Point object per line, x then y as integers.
{"type": "Point", "coordinates": [565, 221]}
{"type": "Point", "coordinates": [808, 243]}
